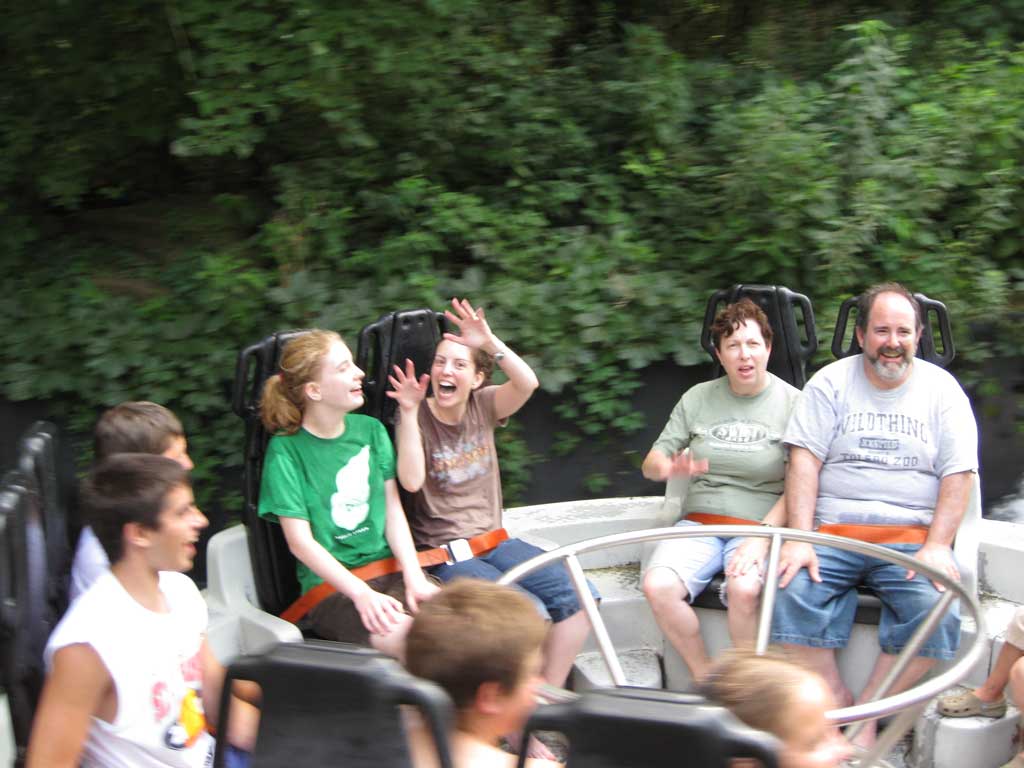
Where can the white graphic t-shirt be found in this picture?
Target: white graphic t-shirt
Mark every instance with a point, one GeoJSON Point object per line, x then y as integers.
{"type": "Point", "coordinates": [884, 451]}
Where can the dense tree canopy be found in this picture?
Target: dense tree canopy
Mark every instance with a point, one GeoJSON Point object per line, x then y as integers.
{"type": "Point", "coordinates": [181, 177]}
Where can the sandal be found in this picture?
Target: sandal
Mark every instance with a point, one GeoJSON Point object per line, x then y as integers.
{"type": "Point", "coordinates": [966, 704]}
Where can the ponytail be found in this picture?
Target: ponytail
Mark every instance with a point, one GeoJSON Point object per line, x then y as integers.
{"type": "Point", "coordinates": [284, 400]}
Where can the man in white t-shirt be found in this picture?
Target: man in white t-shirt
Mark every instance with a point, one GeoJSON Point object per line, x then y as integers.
{"type": "Point", "coordinates": [882, 448]}
{"type": "Point", "coordinates": [131, 681]}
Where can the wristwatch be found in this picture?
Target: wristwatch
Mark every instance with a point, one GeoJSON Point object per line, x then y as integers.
{"type": "Point", "coordinates": [499, 356]}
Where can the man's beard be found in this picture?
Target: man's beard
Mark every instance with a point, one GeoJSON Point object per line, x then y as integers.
{"type": "Point", "coordinates": [887, 372]}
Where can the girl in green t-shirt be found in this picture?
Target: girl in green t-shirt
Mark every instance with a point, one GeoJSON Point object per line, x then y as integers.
{"type": "Point", "coordinates": [329, 480]}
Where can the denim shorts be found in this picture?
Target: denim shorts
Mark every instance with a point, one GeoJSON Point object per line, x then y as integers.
{"type": "Point", "coordinates": [696, 561]}
{"type": "Point", "coordinates": [550, 586]}
{"type": "Point", "coordinates": [821, 615]}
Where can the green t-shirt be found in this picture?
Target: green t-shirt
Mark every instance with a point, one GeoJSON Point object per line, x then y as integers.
{"type": "Point", "coordinates": [741, 437]}
{"type": "Point", "coordinates": [337, 485]}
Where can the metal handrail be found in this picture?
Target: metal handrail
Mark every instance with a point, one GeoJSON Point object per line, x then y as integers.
{"type": "Point", "coordinates": [874, 709]}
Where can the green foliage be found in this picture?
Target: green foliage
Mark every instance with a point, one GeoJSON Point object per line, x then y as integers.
{"type": "Point", "coordinates": [563, 164]}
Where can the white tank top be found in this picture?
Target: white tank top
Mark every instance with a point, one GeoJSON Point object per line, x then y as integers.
{"type": "Point", "coordinates": [154, 661]}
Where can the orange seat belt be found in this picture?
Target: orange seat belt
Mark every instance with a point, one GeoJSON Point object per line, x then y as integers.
{"type": "Point", "coordinates": [479, 545]}
{"type": "Point", "coordinates": [877, 534]}
{"type": "Point", "coordinates": [872, 534]}
{"type": "Point", "coordinates": [708, 519]}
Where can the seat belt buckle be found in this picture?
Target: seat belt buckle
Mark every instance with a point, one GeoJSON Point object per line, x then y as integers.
{"type": "Point", "coordinates": [458, 551]}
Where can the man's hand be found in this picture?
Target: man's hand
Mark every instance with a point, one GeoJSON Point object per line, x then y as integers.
{"type": "Point", "coordinates": [794, 556]}
{"type": "Point", "coordinates": [406, 389]}
{"type": "Point", "coordinates": [938, 556]}
{"type": "Point", "coordinates": [749, 554]}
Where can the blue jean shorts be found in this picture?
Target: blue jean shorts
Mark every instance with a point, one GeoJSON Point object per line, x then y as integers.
{"type": "Point", "coordinates": [821, 615]}
{"type": "Point", "coordinates": [696, 561]}
{"type": "Point", "coordinates": [550, 586]}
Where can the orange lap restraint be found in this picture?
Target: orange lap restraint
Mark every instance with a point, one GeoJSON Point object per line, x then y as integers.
{"type": "Point", "coordinates": [479, 545]}
{"type": "Point", "coordinates": [877, 534]}
{"type": "Point", "coordinates": [872, 534]}
{"type": "Point", "coordinates": [708, 519]}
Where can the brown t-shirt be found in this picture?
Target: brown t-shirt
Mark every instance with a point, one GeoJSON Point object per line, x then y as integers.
{"type": "Point", "coordinates": [461, 494]}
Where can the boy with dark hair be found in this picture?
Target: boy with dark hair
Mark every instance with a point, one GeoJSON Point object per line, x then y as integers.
{"type": "Point", "coordinates": [130, 675]}
{"type": "Point", "coordinates": [131, 427]}
{"type": "Point", "coordinates": [481, 642]}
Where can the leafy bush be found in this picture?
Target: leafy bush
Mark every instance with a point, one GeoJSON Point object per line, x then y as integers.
{"type": "Point", "coordinates": [572, 171]}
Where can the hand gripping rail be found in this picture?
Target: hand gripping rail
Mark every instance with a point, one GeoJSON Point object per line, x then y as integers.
{"type": "Point", "coordinates": [908, 704]}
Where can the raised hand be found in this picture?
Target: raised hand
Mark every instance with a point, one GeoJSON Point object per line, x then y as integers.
{"type": "Point", "coordinates": [684, 464]}
{"type": "Point", "coordinates": [406, 388]}
{"type": "Point", "coordinates": [474, 332]}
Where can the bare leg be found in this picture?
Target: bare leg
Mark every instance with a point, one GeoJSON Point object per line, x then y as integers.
{"type": "Point", "coordinates": [678, 621]}
{"type": "Point", "coordinates": [744, 598]}
{"type": "Point", "coordinates": [1016, 682]}
{"type": "Point", "coordinates": [563, 642]}
{"type": "Point", "coordinates": [883, 664]}
{"type": "Point", "coordinates": [823, 661]}
{"type": "Point", "coordinates": [992, 688]}
{"type": "Point", "coordinates": [393, 643]}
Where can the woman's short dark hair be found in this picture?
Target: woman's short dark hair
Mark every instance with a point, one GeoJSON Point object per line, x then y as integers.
{"type": "Point", "coordinates": [734, 315]}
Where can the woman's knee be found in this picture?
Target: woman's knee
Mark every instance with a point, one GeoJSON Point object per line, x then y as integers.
{"type": "Point", "coordinates": [662, 584]}
{"type": "Point", "coordinates": [744, 592]}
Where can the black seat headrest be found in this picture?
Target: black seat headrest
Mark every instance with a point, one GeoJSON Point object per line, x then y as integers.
{"type": "Point", "coordinates": [926, 348]}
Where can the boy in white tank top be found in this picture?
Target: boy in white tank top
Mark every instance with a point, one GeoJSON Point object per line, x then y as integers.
{"type": "Point", "coordinates": [131, 680]}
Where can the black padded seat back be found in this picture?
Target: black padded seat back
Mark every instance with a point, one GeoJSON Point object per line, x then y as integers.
{"type": "Point", "coordinates": [791, 319]}
{"type": "Point", "coordinates": [37, 458]}
{"type": "Point", "coordinates": [26, 618]}
{"type": "Point", "coordinates": [934, 316]}
{"type": "Point", "coordinates": [646, 728]}
{"type": "Point", "coordinates": [411, 334]}
{"type": "Point", "coordinates": [273, 565]}
{"type": "Point", "coordinates": [335, 704]}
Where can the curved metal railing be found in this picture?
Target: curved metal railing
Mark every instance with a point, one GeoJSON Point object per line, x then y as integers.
{"type": "Point", "coordinates": [908, 704]}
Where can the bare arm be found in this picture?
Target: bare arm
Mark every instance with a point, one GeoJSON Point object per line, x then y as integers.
{"type": "Point", "coordinates": [244, 721]}
{"type": "Point", "coordinates": [656, 466]}
{"type": "Point", "coordinates": [74, 692]}
{"type": "Point", "coordinates": [475, 333]}
{"type": "Point", "coordinates": [801, 493]}
{"type": "Point", "coordinates": [777, 514]}
{"type": "Point", "coordinates": [522, 381]}
{"type": "Point", "coordinates": [408, 391]}
{"type": "Point", "coordinates": [396, 530]}
{"type": "Point", "coordinates": [378, 612]}
{"type": "Point", "coordinates": [801, 497]}
{"type": "Point", "coordinates": [937, 550]}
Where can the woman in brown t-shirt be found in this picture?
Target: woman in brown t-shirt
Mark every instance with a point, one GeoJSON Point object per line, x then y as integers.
{"type": "Point", "coordinates": [447, 459]}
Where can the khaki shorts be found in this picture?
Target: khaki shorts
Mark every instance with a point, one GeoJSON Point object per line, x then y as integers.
{"type": "Point", "coordinates": [336, 617]}
{"type": "Point", "coordinates": [1015, 632]}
